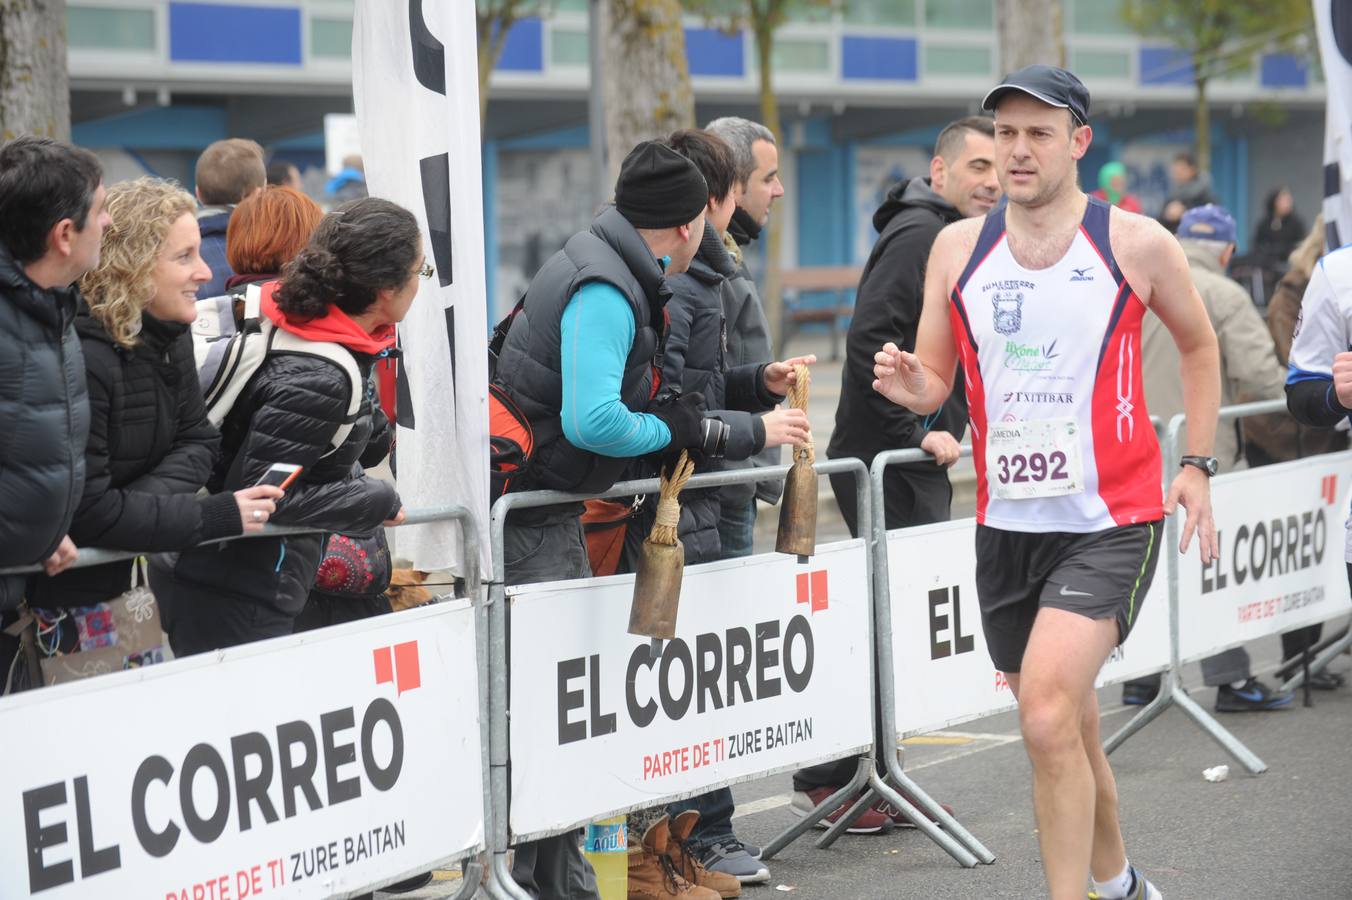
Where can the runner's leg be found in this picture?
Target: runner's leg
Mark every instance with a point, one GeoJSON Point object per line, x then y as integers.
{"type": "Point", "coordinates": [1064, 655]}
{"type": "Point", "coordinates": [1110, 854]}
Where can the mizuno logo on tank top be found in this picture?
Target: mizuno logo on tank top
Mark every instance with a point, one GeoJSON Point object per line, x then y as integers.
{"type": "Point", "coordinates": [1052, 358]}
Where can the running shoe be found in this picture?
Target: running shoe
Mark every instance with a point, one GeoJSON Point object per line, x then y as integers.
{"type": "Point", "coordinates": [730, 858]}
{"type": "Point", "coordinates": [1254, 696]}
{"type": "Point", "coordinates": [1135, 693]}
{"type": "Point", "coordinates": [1141, 888]}
{"type": "Point", "coordinates": [870, 821]}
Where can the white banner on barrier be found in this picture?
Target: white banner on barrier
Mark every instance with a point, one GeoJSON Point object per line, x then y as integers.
{"type": "Point", "coordinates": [770, 669]}
{"type": "Point", "coordinates": [943, 671]}
{"type": "Point", "coordinates": [1281, 563]}
{"type": "Point", "coordinates": [308, 766]}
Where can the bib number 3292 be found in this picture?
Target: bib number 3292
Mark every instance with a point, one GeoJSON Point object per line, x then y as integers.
{"type": "Point", "coordinates": [1034, 459]}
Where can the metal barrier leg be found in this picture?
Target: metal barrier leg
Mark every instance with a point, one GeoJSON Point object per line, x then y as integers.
{"type": "Point", "coordinates": [1144, 717]}
{"type": "Point", "coordinates": [948, 842]}
{"type": "Point", "coordinates": [865, 799]}
{"type": "Point", "coordinates": [500, 883]}
{"type": "Point", "coordinates": [896, 775]}
{"type": "Point", "coordinates": [825, 808]}
{"type": "Point", "coordinates": [471, 876]}
{"type": "Point", "coordinates": [1320, 662]}
{"type": "Point", "coordinates": [957, 841]}
{"type": "Point", "coordinates": [1243, 755]}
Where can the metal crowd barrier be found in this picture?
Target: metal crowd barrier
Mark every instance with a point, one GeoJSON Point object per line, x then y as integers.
{"type": "Point", "coordinates": [472, 862]}
{"type": "Point", "coordinates": [1172, 692]}
{"type": "Point", "coordinates": [500, 880]}
{"type": "Point", "coordinates": [878, 773]}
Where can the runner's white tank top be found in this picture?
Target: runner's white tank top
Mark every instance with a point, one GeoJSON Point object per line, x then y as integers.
{"type": "Point", "coordinates": [1052, 358]}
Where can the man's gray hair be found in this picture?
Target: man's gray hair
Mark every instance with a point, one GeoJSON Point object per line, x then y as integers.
{"type": "Point", "coordinates": [1214, 249]}
{"type": "Point", "coordinates": [739, 134]}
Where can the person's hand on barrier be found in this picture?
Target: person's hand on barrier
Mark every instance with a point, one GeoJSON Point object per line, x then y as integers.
{"type": "Point", "coordinates": [780, 376]}
{"type": "Point", "coordinates": [256, 505]}
{"type": "Point", "coordinates": [64, 557]}
{"type": "Point", "coordinates": [898, 375]}
{"type": "Point", "coordinates": [398, 519]}
{"type": "Point", "coordinates": [684, 418]}
{"type": "Point", "coordinates": [942, 446]}
{"type": "Point", "coordinates": [1192, 490]}
{"type": "Point", "coordinates": [786, 426]}
{"type": "Point", "coordinates": [1342, 378]}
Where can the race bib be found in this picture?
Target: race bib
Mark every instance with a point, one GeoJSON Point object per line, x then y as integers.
{"type": "Point", "coordinates": [1034, 459]}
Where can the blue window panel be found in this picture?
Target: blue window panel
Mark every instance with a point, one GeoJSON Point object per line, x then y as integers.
{"type": "Point", "coordinates": [524, 49]}
{"type": "Point", "coordinates": [1284, 70]}
{"type": "Point", "coordinates": [155, 128]}
{"type": "Point", "coordinates": [711, 52]}
{"type": "Point", "coordinates": [1165, 66]}
{"type": "Point", "coordinates": [878, 58]}
{"type": "Point", "coordinates": [221, 33]}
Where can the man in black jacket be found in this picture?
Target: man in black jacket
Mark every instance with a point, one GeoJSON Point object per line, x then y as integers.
{"type": "Point", "coordinates": [961, 183]}
{"type": "Point", "coordinates": [51, 226]}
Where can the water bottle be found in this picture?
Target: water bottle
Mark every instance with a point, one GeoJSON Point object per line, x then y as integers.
{"type": "Point", "coordinates": [607, 849]}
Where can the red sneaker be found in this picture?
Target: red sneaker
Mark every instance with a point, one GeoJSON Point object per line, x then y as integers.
{"type": "Point", "coordinates": [899, 818]}
{"type": "Point", "coordinates": [870, 821]}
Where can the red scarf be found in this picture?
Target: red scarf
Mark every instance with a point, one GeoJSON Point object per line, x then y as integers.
{"type": "Point", "coordinates": [334, 326]}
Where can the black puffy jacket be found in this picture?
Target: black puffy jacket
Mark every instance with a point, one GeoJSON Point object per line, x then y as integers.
{"type": "Point", "coordinates": [45, 416]}
{"type": "Point", "coordinates": [150, 450]}
{"type": "Point", "coordinates": [887, 308]}
{"type": "Point", "coordinates": [288, 413]}
{"type": "Point", "coordinates": [696, 360]}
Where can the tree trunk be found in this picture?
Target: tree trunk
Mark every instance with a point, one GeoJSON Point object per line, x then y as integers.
{"type": "Point", "coordinates": [1030, 32]}
{"type": "Point", "coordinates": [492, 34]}
{"type": "Point", "coordinates": [1203, 128]}
{"type": "Point", "coordinates": [34, 82]}
{"type": "Point", "coordinates": [647, 77]}
{"type": "Point", "coordinates": [772, 299]}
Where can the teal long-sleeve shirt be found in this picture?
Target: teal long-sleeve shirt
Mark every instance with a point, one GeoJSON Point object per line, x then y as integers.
{"type": "Point", "coordinates": [597, 335]}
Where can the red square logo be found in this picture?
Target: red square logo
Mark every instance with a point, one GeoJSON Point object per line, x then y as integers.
{"type": "Point", "coordinates": [407, 674]}
{"type": "Point", "coordinates": [384, 665]}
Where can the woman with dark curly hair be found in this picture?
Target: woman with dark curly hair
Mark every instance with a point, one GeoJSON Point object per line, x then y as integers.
{"type": "Point", "coordinates": [355, 279]}
{"type": "Point", "coordinates": [150, 445]}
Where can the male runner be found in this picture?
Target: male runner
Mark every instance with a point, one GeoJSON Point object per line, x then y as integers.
{"type": "Point", "coordinates": [1041, 302]}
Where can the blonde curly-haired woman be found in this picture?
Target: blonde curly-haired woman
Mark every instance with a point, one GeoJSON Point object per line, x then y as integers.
{"type": "Point", "coordinates": [150, 446]}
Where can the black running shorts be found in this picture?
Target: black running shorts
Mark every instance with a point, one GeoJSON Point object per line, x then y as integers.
{"type": "Point", "coordinates": [1101, 575]}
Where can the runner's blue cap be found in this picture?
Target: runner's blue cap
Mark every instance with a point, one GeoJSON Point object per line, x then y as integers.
{"type": "Point", "coordinates": [1208, 223]}
{"type": "Point", "coordinates": [1053, 86]}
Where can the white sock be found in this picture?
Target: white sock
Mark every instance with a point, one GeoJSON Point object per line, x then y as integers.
{"type": "Point", "coordinates": [1239, 685]}
{"type": "Point", "coordinates": [1115, 888]}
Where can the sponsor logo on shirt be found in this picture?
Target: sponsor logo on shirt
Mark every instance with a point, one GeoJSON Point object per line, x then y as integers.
{"type": "Point", "coordinates": [1082, 274]}
{"type": "Point", "coordinates": [1030, 357]}
{"type": "Point", "coordinates": [1008, 311]}
{"type": "Point", "coordinates": [1063, 398]}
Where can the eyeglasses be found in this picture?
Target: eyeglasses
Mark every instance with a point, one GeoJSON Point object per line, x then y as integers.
{"type": "Point", "coordinates": [426, 270]}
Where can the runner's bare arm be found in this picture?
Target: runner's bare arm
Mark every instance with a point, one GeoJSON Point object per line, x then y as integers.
{"type": "Point", "coordinates": [921, 381]}
{"type": "Point", "coordinates": [1154, 264]}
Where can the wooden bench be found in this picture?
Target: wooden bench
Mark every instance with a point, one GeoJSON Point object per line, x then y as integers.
{"type": "Point", "coordinates": [836, 280]}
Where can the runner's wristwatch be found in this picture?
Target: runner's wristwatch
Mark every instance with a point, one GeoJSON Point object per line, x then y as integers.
{"type": "Point", "coordinates": [1208, 464]}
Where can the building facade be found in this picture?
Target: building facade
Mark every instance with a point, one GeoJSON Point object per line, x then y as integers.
{"type": "Point", "coordinates": [863, 93]}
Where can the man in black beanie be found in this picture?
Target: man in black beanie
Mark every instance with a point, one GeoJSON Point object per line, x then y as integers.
{"type": "Point", "coordinates": [579, 360]}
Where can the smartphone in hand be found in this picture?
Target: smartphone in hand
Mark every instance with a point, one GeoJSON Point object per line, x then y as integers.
{"type": "Point", "coordinates": [281, 475]}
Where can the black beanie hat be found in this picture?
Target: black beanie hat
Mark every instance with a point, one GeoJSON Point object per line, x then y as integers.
{"type": "Point", "coordinates": [659, 188]}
